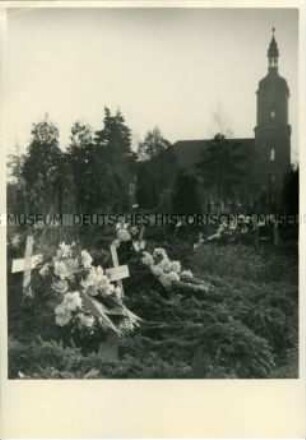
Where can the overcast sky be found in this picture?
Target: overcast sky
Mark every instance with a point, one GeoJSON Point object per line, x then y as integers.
{"type": "Point", "coordinates": [191, 72]}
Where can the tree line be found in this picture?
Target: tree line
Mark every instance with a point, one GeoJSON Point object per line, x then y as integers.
{"type": "Point", "coordinates": [96, 173]}
{"type": "Point", "coordinates": [99, 171]}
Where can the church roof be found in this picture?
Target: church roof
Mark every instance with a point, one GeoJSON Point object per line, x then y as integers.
{"type": "Point", "coordinates": [273, 79]}
{"type": "Point", "coordinates": [189, 152]}
{"type": "Point", "coordinates": [273, 49]}
{"type": "Point", "coordinates": [273, 82]}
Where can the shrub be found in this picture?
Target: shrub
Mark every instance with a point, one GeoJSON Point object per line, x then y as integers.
{"type": "Point", "coordinates": [245, 327]}
{"type": "Point", "coordinates": [232, 350]}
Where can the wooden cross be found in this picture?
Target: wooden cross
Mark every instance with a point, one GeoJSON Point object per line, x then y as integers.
{"type": "Point", "coordinates": [109, 349]}
{"type": "Point", "coordinates": [26, 265]}
{"type": "Point", "coordinates": [117, 273]}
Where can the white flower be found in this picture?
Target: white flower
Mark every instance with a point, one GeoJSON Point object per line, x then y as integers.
{"type": "Point", "coordinates": [89, 281]}
{"type": "Point", "coordinates": [160, 252]}
{"type": "Point", "coordinates": [157, 270]}
{"type": "Point", "coordinates": [92, 291]}
{"type": "Point", "coordinates": [64, 251]}
{"type": "Point", "coordinates": [61, 270]}
{"type": "Point", "coordinates": [139, 245]}
{"type": "Point", "coordinates": [72, 301]}
{"type": "Point", "coordinates": [102, 281]}
{"type": "Point", "coordinates": [123, 235]}
{"type": "Point", "coordinates": [97, 281]}
{"type": "Point", "coordinates": [147, 259]}
{"type": "Point", "coordinates": [93, 277]}
{"type": "Point", "coordinates": [60, 286]}
{"type": "Point", "coordinates": [121, 225]}
{"type": "Point", "coordinates": [108, 289]}
{"type": "Point", "coordinates": [233, 225]}
{"type": "Point", "coordinates": [44, 270]}
{"type": "Point", "coordinates": [16, 239]}
{"type": "Point", "coordinates": [99, 271]}
{"type": "Point", "coordinates": [166, 265]}
{"type": "Point", "coordinates": [165, 280]}
{"type": "Point", "coordinates": [176, 266]}
{"type": "Point", "coordinates": [86, 259]}
{"type": "Point", "coordinates": [86, 320]}
{"type": "Point", "coordinates": [187, 274]}
{"type": "Point", "coordinates": [72, 266]}
{"type": "Point", "coordinates": [62, 320]}
{"type": "Point", "coordinates": [62, 315]}
{"type": "Point", "coordinates": [168, 278]}
{"type": "Point", "coordinates": [173, 276]}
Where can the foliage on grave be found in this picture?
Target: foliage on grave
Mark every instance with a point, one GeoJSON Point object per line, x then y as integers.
{"type": "Point", "coordinates": [202, 332]}
{"type": "Point", "coordinates": [43, 359]}
{"type": "Point", "coordinates": [245, 326]}
{"type": "Point", "coordinates": [79, 298]}
{"type": "Point", "coordinates": [253, 293]}
{"type": "Point", "coordinates": [264, 264]}
{"type": "Point", "coordinates": [255, 319]}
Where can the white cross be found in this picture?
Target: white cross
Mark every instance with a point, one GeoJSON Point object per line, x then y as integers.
{"type": "Point", "coordinates": [117, 273]}
{"type": "Point", "coordinates": [109, 348]}
{"type": "Point", "coordinates": [26, 265]}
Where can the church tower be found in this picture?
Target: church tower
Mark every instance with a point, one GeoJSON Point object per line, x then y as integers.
{"type": "Point", "coordinates": [272, 132]}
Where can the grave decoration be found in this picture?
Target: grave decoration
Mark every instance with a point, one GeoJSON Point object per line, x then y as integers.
{"type": "Point", "coordinates": [87, 297]}
{"type": "Point", "coordinates": [26, 264]}
{"type": "Point", "coordinates": [229, 230]}
{"type": "Point", "coordinates": [170, 273]}
{"type": "Point", "coordinates": [126, 233]}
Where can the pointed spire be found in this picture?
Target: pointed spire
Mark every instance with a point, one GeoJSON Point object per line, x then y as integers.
{"type": "Point", "coordinates": [273, 52]}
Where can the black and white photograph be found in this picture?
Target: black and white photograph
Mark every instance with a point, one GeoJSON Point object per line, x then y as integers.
{"type": "Point", "coordinates": [152, 193]}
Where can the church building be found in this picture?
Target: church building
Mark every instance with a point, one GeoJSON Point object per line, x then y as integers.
{"type": "Point", "coordinates": [267, 154]}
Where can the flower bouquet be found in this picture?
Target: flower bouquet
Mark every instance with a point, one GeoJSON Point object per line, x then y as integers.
{"type": "Point", "coordinates": [86, 299]}
{"type": "Point", "coordinates": [170, 273]}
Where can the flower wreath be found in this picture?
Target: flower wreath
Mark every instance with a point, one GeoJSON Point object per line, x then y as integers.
{"type": "Point", "coordinates": [86, 298]}
{"type": "Point", "coordinates": [167, 271]}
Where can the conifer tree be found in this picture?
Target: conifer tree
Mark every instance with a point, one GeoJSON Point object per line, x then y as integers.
{"type": "Point", "coordinates": [41, 169]}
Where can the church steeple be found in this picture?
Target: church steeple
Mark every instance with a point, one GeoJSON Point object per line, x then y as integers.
{"type": "Point", "coordinates": [273, 53]}
{"type": "Point", "coordinates": [272, 132]}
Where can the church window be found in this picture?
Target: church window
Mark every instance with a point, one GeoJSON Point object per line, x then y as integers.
{"type": "Point", "coordinates": [272, 114]}
{"type": "Point", "coordinates": [272, 154]}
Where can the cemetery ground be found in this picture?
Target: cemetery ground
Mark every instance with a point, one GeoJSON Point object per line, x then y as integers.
{"type": "Point", "coordinates": [244, 326]}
